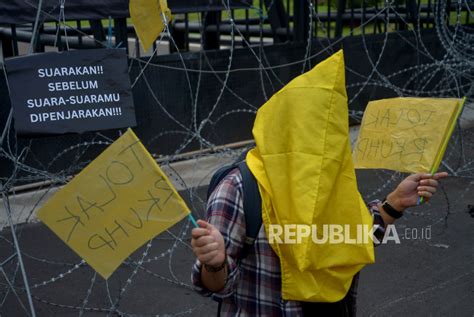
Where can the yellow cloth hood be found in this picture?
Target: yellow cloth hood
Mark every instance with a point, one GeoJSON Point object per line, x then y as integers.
{"type": "Point", "coordinates": [304, 169]}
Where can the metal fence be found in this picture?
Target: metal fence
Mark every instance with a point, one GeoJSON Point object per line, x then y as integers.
{"type": "Point", "coordinates": [208, 24]}
{"type": "Point", "coordinates": [222, 89]}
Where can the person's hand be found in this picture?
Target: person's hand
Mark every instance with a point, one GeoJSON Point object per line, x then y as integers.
{"type": "Point", "coordinates": [411, 188]}
{"type": "Point", "coordinates": [208, 244]}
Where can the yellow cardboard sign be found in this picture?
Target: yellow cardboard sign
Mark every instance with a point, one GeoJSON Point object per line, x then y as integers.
{"type": "Point", "coordinates": [117, 203]}
{"type": "Point", "coordinates": [147, 19]}
{"type": "Point", "coordinates": [406, 134]}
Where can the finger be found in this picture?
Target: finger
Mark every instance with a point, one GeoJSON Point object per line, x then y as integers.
{"type": "Point", "coordinates": [426, 189]}
{"type": "Point", "coordinates": [195, 244]}
{"type": "Point", "coordinates": [435, 176]}
{"type": "Point", "coordinates": [440, 175]}
{"type": "Point", "coordinates": [429, 182]}
{"type": "Point", "coordinates": [206, 258]}
{"type": "Point", "coordinates": [425, 194]}
{"type": "Point", "coordinates": [416, 177]}
{"type": "Point", "coordinates": [207, 248]}
{"type": "Point", "coordinates": [426, 176]}
{"type": "Point", "coordinates": [199, 232]}
{"type": "Point", "coordinates": [204, 240]}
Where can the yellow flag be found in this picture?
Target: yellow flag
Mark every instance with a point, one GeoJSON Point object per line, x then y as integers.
{"type": "Point", "coordinates": [406, 134]}
{"type": "Point", "coordinates": [148, 20]}
{"type": "Point", "coordinates": [117, 203]}
{"type": "Point", "coordinates": [303, 165]}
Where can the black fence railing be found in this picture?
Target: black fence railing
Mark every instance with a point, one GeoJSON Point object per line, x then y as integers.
{"type": "Point", "coordinates": [232, 84]}
{"type": "Point", "coordinates": [204, 24]}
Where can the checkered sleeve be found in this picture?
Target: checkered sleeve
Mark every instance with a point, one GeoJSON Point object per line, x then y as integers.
{"type": "Point", "coordinates": [225, 212]}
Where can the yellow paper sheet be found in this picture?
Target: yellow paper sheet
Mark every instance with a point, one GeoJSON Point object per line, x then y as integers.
{"type": "Point", "coordinates": [148, 20]}
{"type": "Point", "coordinates": [117, 203]}
{"type": "Point", "coordinates": [405, 134]}
{"type": "Point", "coordinates": [444, 145]}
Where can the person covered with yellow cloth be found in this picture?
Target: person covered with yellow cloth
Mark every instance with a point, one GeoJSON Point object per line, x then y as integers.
{"type": "Point", "coordinates": [301, 263]}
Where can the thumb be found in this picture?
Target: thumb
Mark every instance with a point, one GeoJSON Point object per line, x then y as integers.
{"type": "Point", "coordinates": [204, 224]}
{"type": "Point", "coordinates": [209, 227]}
{"type": "Point", "coordinates": [417, 177]}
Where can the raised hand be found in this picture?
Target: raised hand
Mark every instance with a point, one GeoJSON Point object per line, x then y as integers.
{"type": "Point", "coordinates": [411, 188]}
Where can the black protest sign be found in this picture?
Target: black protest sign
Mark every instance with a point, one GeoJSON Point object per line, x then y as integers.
{"type": "Point", "coordinates": [70, 92]}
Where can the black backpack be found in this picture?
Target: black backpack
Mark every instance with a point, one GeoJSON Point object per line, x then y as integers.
{"type": "Point", "coordinates": [251, 198]}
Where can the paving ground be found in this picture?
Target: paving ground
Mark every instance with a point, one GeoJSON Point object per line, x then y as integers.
{"type": "Point", "coordinates": [430, 275]}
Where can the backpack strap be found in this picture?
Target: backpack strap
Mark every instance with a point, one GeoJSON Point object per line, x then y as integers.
{"type": "Point", "coordinates": [252, 207]}
{"type": "Point", "coordinates": [218, 177]}
{"type": "Point", "coordinates": [223, 171]}
{"type": "Point", "coordinates": [252, 201]}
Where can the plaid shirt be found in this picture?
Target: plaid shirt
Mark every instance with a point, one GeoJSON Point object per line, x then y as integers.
{"type": "Point", "coordinates": [253, 286]}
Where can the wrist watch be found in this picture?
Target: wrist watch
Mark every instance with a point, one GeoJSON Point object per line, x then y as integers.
{"type": "Point", "coordinates": [392, 212]}
{"type": "Point", "coordinates": [212, 269]}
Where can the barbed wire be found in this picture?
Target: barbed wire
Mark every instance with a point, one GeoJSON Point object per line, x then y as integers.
{"type": "Point", "coordinates": [451, 75]}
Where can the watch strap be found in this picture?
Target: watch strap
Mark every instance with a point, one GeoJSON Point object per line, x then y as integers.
{"type": "Point", "coordinates": [392, 212]}
{"type": "Point", "coordinates": [212, 269]}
